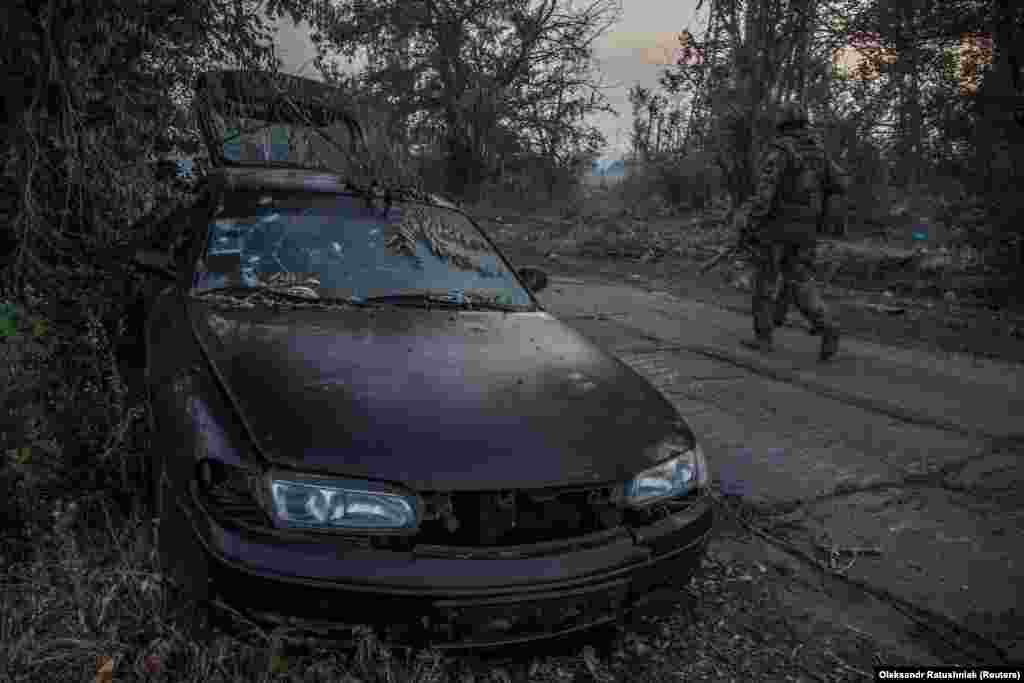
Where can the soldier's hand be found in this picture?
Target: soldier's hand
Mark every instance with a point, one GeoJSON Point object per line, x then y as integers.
{"type": "Point", "coordinates": [741, 221]}
{"type": "Point", "coordinates": [749, 233]}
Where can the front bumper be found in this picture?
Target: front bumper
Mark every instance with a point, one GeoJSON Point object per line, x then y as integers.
{"type": "Point", "coordinates": [449, 597]}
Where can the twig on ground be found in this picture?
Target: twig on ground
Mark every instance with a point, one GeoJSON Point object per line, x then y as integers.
{"type": "Point", "coordinates": [833, 553]}
{"type": "Point", "coordinates": [846, 667]}
{"type": "Point", "coordinates": [813, 674]}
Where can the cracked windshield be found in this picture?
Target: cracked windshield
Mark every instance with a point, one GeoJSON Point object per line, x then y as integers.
{"type": "Point", "coordinates": [340, 247]}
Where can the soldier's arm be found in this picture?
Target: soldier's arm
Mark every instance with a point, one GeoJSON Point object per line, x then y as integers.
{"type": "Point", "coordinates": [837, 180]}
{"type": "Point", "coordinates": [773, 164]}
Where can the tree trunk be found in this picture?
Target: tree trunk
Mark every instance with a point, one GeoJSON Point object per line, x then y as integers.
{"type": "Point", "coordinates": [911, 127]}
{"type": "Point", "coordinates": [1000, 136]}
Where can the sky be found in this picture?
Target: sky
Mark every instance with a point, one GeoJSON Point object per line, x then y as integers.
{"type": "Point", "coordinates": [634, 51]}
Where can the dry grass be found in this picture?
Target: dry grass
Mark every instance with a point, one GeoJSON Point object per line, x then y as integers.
{"type": "Point", "coordinates": [92, 596]}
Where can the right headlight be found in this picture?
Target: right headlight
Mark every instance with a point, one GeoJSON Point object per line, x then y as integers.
{"type": "Point", "coordinates": [678, 475]}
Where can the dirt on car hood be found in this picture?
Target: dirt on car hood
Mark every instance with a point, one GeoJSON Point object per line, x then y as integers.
{"type": "Point", "coordinates": [434, 399]}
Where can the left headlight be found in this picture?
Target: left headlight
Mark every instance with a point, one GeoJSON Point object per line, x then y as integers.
{"type": "Point", "coordinates": [681, 473]}
{"type": "Point", "coordinates": [297, 501]}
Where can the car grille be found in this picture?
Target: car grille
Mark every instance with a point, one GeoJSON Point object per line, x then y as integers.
{"type": "Point", "coordinates": [507, 518]}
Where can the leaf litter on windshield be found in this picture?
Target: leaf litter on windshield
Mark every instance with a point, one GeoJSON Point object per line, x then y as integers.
{"type": "Point", "coordinates": [445, 241]}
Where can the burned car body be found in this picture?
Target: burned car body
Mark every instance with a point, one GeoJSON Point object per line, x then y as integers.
{"type": "Point", "coordinates": [362, 415]}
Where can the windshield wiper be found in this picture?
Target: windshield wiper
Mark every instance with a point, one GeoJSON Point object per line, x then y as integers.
{"type": "Point", "coordinates": [281, 291]}
{"type": "Point", "coordinates": [445, 299]}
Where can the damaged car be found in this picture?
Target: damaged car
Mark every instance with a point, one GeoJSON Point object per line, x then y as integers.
{"type": "Point", "coordinates": [362, 415]}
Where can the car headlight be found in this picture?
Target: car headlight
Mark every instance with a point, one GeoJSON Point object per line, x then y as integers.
{"type": "Point", "coordinates": [683, 471]}
{"type": "Point", "coordinates": [298, 501]}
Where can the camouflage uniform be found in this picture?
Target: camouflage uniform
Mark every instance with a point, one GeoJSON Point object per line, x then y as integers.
{"type": "Point", "coordinates": [794, 179]}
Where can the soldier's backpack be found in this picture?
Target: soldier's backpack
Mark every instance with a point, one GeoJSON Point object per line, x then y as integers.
{"type": "Point", "coordinates": [810, 180]}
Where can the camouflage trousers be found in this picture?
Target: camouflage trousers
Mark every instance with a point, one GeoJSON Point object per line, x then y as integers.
{"type": "Point", "coordinates": [785, 272]}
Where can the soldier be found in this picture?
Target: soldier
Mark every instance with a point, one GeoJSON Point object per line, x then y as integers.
{"type": "Point", "coordinates": [794, 179]}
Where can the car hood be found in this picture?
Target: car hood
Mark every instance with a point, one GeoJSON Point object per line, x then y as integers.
{"type": "Point", "coordinates": [434, 399]}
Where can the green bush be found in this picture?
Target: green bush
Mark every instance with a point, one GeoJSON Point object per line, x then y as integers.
{"type": "Point", "coordinates": [669, 183]}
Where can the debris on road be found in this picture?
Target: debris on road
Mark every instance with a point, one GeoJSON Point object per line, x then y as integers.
{"type": "Point", "coordinates": [889, 310]}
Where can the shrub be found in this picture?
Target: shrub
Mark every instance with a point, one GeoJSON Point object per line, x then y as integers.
{"type": "Point", "coordinates": [670, 183]}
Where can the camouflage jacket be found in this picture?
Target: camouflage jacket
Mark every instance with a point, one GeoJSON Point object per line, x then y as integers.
{"type": "Point", "coordinates": [795, 177]}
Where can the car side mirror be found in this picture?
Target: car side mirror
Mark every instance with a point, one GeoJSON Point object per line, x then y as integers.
{"type": "Point", "coordinates": [156, 262]}
{"type": "Point", "coordinates": [535, 278]}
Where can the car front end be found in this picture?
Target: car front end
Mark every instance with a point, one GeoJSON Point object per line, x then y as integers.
{"type": "Point", "coordinates": [464, 570]}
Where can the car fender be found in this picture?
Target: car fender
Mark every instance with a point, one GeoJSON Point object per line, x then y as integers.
{"type": "Point", "coordinates": [192, 418]}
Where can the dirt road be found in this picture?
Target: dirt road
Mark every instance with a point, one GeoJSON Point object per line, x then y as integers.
{"type": "Point", "coordinates": [879, 495]}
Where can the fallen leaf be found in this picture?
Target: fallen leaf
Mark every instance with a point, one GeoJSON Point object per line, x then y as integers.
{"type": "Point", "coordinates": [21, 455]}
{"type": "Point", "coordinates": [40, 327]}
{"type": "Point", "coordinates": [152, 664]}
{"type": "Point", "coordinates": [104, 669]}
{"type": "Point", "coordinates": [278, 664]}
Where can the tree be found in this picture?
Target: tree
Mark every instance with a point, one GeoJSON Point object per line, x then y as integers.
{"type": "Point", "coordinates": [753, 54]}
{"type": "Point", "coordinates": [905, 105]}
{"type": "Point", "coordinates": [94, 93]}
{"type": "Point", "coordinates": [999, 140]}
{"type": "Point", "coordinates": [468, 76]}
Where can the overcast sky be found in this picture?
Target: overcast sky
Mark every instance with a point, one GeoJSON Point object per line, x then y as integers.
{"type": "Point", "coordinates": [633, 51]}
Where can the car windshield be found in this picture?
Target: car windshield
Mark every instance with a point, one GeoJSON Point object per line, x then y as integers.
{"type": "Point", "coordinates": [345, 247]}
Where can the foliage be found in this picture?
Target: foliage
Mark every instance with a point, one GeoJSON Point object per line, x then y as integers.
{"type": "Point", "coordinates": [98, 93]}
{"type": "Point", "coordinates": [903, 93]}
{"type": "Point", "coordinates": [104, 86]}
{"type": "Point", "coordinates": [476, 84]}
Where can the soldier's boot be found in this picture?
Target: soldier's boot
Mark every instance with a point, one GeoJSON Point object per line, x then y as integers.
{"type": "Point", "coordinates": [762, 340]}
{"type": "Point", "coordinates": [759, 344]}
{"type": "Point", "coordinates": [829, 343]}
{"type": "Point", "coordinates": [813, 307]}
{"type": "Point", "coordinates": [782, 305]}
{"type": "Point", "coordinates": [821, 324]}
{"type": "Point", "coordinates": [782, 311]}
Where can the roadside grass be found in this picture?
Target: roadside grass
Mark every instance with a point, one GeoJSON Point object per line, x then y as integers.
{"type": "Point", "coordinates": [91, 605]}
